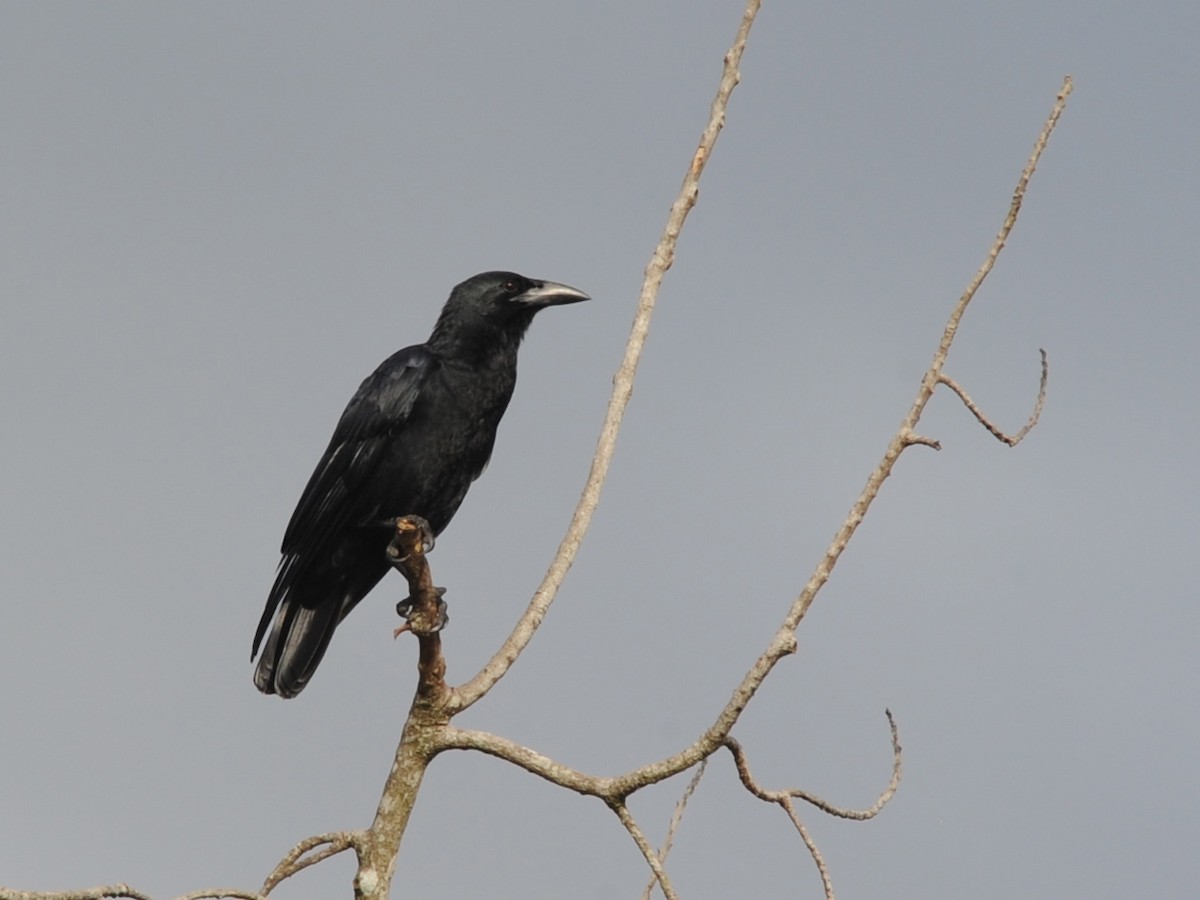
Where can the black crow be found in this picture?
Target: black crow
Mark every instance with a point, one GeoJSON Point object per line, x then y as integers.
{"type": "Point", "coordinates": [418, 431]}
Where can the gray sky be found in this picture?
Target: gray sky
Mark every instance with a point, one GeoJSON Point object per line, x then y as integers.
{"type": "Point", "coordinates": [218, 218]}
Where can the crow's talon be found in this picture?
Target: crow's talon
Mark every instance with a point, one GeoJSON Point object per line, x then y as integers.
{"type": "Point", "coordinates": [426, 531]}
{"type": "Point", "coordinates": [404, 609]}
{"type": "Point", "coordinates": [412, 523]}
{"type": "Point", "coordinates": [443, 617]}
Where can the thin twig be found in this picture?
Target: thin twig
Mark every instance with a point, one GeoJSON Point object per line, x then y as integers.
{"type": "Point", "coordinates": [775, 796]}
{"type": "Point", "coordinates": [813, 850]}
{"type": "Point", "coordinates": [652, 858]}
{"type": "Point", "coordinates": [676, 818]}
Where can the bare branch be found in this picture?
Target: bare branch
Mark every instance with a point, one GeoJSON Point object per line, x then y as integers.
{"type": "Point", "coordinates": [818, 859]}
{"type": "Point", "coordinates": [611, 790]}
{"type": "Point", "coordinates": [660, 261]}
{"type": "Point", "coordinates": [676, 818]}
{"type": "Point", "coordinates": [776, 796]}
{"type": "Point", "coordinates": [302, 856]}
{"type": "Point", "coordinates": [614, 790]}
{"type": "Point", "coordinates": [451, 738]}
{"type": "Point", "coordinates": [296, 860]}
{"type": "Point", "coordinates": [1010, 220]}
{"type": "Point", "coordinates": [96, 893]}
{"type": "Point", "coordinates": [1015, 439]}
{"type": "Point", "coordinates": [651, 857]}
{"type": "Point", "coordinates": [783, 798]}
{"type": "Point", "coordinates": [124, 890]}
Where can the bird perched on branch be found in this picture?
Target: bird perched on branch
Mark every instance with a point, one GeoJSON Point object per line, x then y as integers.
{"type": "Point", "coordinates": [414, 436]}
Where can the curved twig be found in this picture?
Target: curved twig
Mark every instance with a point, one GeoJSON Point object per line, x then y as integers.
{"type": "Point", "coordinates": [784, 798]}
{"type": "Point", "coordinates": [914, 439]}
{"type": "Point", "coordinates": [1011, 440]}
{"type": "Point", "coordinates": [302, 856]}
{"type": "Point", "coordinates": [776, 796]}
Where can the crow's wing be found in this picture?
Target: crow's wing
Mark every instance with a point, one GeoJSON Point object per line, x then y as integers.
{"type": "Point", "coordinates": [377, 411]}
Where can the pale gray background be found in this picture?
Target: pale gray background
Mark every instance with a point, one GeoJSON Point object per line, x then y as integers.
{"type": "Point", "coordinates": [217, 218]}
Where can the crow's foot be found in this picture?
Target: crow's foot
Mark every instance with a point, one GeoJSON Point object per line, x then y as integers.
{"type": "Point", "coordinates": [409, 523]}
{"type": "Point", "coordinates": [406, 607]}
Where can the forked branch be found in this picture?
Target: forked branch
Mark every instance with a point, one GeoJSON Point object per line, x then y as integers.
{"type": "Point", "coordinates": [309, 852]}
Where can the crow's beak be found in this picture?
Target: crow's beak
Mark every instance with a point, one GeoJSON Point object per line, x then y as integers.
{"type": "Point", "coordinates": [550, 293]}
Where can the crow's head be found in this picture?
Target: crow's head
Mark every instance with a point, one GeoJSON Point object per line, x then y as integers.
{"type": "Point", "coordinates": [494, 302]}
{"type": "Point", "coordinates": [491, 293]}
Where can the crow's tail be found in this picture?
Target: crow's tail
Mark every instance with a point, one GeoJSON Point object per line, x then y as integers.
{"type": "Point", "coordinates": [295, 644]}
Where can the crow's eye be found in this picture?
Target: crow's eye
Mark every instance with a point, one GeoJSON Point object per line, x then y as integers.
{"type": "Point", "coordinates": [510, 287]}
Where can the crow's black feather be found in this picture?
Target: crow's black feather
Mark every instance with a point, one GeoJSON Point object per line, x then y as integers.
{"type": "Point", "coordinates": [414, 436]}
